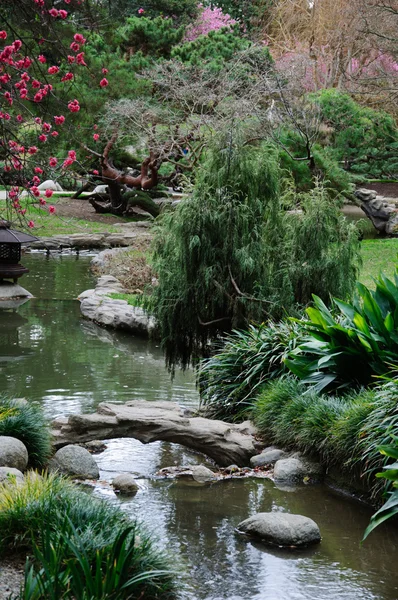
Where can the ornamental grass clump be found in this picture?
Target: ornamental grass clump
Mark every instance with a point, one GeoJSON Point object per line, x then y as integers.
{"type": "Point", "coordinates": [294, 416]}
{"type": "Point", "coordinates": [27, 423]}
{"type": "Point", "coordinates": [83, 547]}
{"type": "Point", "coordinates": [229, 381]}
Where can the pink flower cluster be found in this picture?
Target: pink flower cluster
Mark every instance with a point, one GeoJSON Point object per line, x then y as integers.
{"type": "Point", "coordinates": [18, 89]}
{"type": "Point", "coordinates": [209, 19]}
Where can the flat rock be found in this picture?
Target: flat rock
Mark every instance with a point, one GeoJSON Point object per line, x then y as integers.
{"type": "Point", "coordinates": [125, 484]}
{"type": "Point", "coordinates": [225, 443]}
{"type": "Point", "coordinates": [97, 306]}
{"type": "Point", "coordinates": [13, 453]}
{"type": "Point", "coordinates": [87, 240]}
{"type": "Point", "coordinates": [9, 475]}
{"type": "Point", "coordinates": [267, 458]}
{"type": "Point", "coordinates": [74, 461]}
{"type": "Point", "coordinates": [281, 529]}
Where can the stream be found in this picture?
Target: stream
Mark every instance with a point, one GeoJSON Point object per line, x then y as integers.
{"type": "Point", "coordinates": [51, 356]}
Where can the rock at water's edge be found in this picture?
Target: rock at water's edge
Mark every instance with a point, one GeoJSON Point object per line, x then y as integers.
{"type": "Point", "coordinates": [267, 458]}
{"type": "Point", "coordinates": [281, 529]}
{"type": "Point", "coordinates": [296, 468]}
{"type": "Point", "coordinates": [74, 461]}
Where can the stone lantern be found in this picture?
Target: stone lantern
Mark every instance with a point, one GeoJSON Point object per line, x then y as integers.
{"type": "Point", "coordinates": [10, 251]}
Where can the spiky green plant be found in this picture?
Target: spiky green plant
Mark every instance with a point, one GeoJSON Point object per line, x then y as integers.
{"type": "Point", "coordinates": [230, 379]}
{"type": "Point", "coordinates": [390, 474]}
{"type": "Point", "coordinates": [290, 414]}
{"type": "Point", "coordinates": [350, 346]}
{"type": "Point", "coordinates": [27, 423]}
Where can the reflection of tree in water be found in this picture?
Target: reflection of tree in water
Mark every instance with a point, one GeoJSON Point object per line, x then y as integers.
{"type": "Point", "coordinates": [72, 369]}
{"type": "Point", "coordinates": [10, 347]}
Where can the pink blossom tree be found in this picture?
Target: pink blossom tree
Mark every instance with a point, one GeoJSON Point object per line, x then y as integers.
{"type": "Point", "coordinates": [38, 85]}
{"type": "Point", "coordinates": [209, 19]}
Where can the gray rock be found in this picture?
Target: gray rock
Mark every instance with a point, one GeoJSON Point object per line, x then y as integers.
{"type": "Point", "coordinates": [118, 314]}
{"type": "Point", "coordinates": [202, 474]}
{"type": "Point", "coordinates": [296, 469]}
{"type": "Point", "coordinates": [49, 184]}
{"type": "Point", "coordinates": [267, 458]}
{"type": "Point", "coordinates": [226, 443]}
{"type": "Point", "coordinates": [13, 453]}
{"type": "Point", "coordinates": [125, 484]}
{"type": "Point", "coordinates": [281, 529]}
{"type": "Point", "coordinates": [100, 189]}
{"type": "Point", "coordinates": [74, 461]}
{"type": "Point", "coordinates": [96, 446]}
{"type": "Point", "coordinates": [9, 475]}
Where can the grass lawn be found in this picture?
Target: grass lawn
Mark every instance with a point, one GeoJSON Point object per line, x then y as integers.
{"type": "Point", "coordinates": [378, 255]}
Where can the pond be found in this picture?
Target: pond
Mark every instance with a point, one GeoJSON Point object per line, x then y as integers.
{"type": "Point", "coordinates": [53, 357]}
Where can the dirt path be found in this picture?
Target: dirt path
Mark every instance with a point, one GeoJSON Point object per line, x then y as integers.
{"type": "Point", "coordinates": [82, 209]}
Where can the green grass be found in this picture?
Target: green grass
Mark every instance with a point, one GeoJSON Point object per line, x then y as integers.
{"type": "Point", "coordinates": [378, 255]}
{"type": "Point", "coordinates": [47, 225]}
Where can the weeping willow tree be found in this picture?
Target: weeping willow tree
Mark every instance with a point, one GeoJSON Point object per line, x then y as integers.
{"type": "Point", "coordinates": [219, 256]}
{"type": "Point", "coordinates": [231, 255]}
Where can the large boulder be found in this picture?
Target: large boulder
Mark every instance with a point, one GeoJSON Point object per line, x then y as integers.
{"type": "Point", "coordinates": [296, 469]}
{"type": "Point", "coordinates": [74, 461]}
{"type": "Point", "coordinates": [281, 529]}
{"type": "Point", "coordinates": [13, 453]}
{"type": "Point", "coordinates": [10, 475]}
{"type": "Point", "coordinates": [267, 458]}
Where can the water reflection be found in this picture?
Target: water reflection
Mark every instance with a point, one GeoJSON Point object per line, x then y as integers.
{"type": "Point", "coordinates": [71, 365]}
{"type": "Point", "coordinates": [197, 523]}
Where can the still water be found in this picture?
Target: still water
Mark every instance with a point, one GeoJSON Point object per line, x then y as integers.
{"type": "Point", "coordinates": [49, 355]}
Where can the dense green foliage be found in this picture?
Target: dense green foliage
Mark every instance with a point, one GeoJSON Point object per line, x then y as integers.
{"type": "Point", "coordinates": [73, 535]}
{"type": "Point", "coordinates": [26, 422]}
{"type": "Point", "coordinates": [149, 36]}
{"type": "Point", "coordinates": [229, 380]}
{"type": "Point", "coordinates": [390, 473]}
{"type": "Point", "coordinates": [353, 344]}
{"type": "Point", "coordinates": [363, 139]}
{"type": "Point", "coordinates": [216, 48]}
{"type": "Point", "coordinates": [291, 415]}
{"type": "Point", "coordinates": [215, 256]}
{"type": "Point", "coordinates": [230, 254]}
{"type": "Point", "coordinates": [321, 249]}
